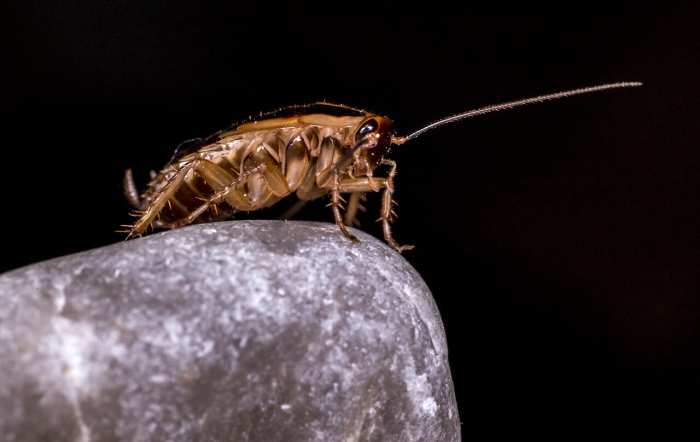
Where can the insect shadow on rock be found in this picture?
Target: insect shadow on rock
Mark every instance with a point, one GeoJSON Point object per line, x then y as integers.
{"type": "Point", "coordinates": [311, 154]}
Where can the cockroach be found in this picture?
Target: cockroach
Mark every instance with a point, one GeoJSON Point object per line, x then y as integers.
{"type": "Point", "coordinates": [311, 154]}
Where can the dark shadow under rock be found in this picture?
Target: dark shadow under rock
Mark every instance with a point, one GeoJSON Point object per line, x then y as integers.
{"type": "Point", "coordinates": [235, 331]}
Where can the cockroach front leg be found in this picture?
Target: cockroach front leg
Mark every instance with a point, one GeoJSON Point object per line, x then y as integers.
{"type": "Point", "coordinates": [371, 184]}
{"type": "Point", "coordinates": [336, 204]}
{"type": "Point", "coordinates": [387, 212]}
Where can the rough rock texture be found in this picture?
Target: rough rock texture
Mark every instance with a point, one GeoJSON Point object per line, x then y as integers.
{"type": "Point", "coordinates": [259, 330]}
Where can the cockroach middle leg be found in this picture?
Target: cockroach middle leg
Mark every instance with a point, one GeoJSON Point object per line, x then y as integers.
{"type": "Point", "coordinates": [336, 203]}
{"type": "Point", "coordinates": [353, 206]}
{"type": "Point", "coordinates": [296, 207]}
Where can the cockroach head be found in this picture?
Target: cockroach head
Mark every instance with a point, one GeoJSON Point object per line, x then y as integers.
{"type": "Point", "coordinates": [372, 141]}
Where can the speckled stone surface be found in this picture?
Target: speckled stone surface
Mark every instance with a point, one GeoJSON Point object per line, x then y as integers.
{"type": "Point", "coordinates": [235, 331]}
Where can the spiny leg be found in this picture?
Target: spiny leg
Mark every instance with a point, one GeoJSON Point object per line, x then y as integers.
{"type": "Point", "coordinates": [208, 170]}
{"type": "Point", "coordinates": [210, 202]}
{"type": "Point", "coordinates": [387, 213]}
{"type": "Point", "coordinates": [158, 201]}
{"type": "Point", "coordinates": [372, 184]}
{"type": "Point", "coordinates": [196, 213]}
{"type": "Point", "coordinates": [336, 204]}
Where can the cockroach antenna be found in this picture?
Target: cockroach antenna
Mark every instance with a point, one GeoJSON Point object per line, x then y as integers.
{"type": "Point", "coordinates": [510, 105]}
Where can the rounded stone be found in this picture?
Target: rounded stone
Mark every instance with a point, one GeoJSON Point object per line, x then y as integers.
{"type": "Point", "coordinates": [234, 331]}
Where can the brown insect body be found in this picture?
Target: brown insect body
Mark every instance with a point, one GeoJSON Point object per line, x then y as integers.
{"type": "Point", "coordinates": [256, 164]}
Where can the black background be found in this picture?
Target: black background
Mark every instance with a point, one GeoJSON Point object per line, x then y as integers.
{"type": "Point", "coordinates": [560, 240]}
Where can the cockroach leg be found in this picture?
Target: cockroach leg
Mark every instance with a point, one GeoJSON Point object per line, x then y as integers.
{"type": "Point", "coordinates": [289, 213]}
{"type": "Point", "coordinates": [335, 204]}
{"type": "Point", "coordinates": [353, 206]}
{"type": "Point", "coordinates": [163, 198]}
{"type": "Point", "coordinates": [189, 219]}
{"type": "Point", "coordinates": [374, 184]}
{"type": "Point", "coordinates": [387, 212]}
{"type": "Point", "coordinates": [211, 202]}
{"type": "Point", "coordinates": [213, 174]}
{"type": "Point", "coordinates": [130, 191]}
{"type": "Point", "coordinates": [159, 201]}
{"type": "Point", "coordinates": [361, 185]}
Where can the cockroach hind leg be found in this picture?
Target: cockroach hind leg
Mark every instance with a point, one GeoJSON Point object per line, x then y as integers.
{"type": "Point", "coordinates": [129, 230]}
{"type": "Point", "coordinates": [125, 228]}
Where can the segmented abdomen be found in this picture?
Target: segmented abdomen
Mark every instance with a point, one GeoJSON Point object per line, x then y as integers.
{"type": "Point", "coordinates": [242, 172]}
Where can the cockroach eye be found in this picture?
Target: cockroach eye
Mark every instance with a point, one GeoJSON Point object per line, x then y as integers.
{"type": "Point", "coordinates": [369, 126]}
